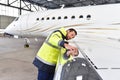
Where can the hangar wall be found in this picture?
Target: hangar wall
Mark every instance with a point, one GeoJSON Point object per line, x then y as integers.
{"type": "Point", "coordinates": [5, 21]}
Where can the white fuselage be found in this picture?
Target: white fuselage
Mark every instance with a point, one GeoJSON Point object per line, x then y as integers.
{"type": "Point", "coordinates": [37, 23]}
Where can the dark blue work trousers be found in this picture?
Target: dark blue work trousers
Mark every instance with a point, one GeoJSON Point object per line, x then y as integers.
{"type": "Point", "coordinates": [44, 75]}
{"type": "Point", "coordinates": [45, 72]}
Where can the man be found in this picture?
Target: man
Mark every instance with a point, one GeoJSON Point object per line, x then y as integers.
{"type": "Point", "coordinates": [47, 56]}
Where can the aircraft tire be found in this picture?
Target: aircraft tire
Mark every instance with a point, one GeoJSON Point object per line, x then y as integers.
{"type": "Point", "coordinates": [26, 46]}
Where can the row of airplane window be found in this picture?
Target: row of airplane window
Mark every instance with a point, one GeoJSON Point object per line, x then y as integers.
{"type": "Point", "coordinates": [88, 17]}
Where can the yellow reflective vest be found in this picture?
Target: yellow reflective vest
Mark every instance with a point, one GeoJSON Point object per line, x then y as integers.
{"type": "Point", "coordinates": [51, 48]}
{"type": "Point", "coordinates": [61, 59]}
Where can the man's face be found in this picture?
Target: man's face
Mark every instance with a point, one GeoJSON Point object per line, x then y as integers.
{"type": "Point", "coordinates": [70, 35]}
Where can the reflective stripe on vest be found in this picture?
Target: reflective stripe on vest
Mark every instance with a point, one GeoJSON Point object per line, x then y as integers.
{"type": "Point", "coordinates": [51, 45]}
{"type": "Point", "coordinates": [45, 61]}
{"type": "Point", "coordinates": [57, 35]}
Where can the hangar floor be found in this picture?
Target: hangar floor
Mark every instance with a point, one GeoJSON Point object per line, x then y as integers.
{"type": "Point", "coordinates": [16, 61]}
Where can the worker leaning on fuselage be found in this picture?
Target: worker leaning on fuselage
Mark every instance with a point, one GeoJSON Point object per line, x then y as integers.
{"type": "Point", "coordinates": [47, 56]}
{"type": "Point", "coordinates": [52, 44]}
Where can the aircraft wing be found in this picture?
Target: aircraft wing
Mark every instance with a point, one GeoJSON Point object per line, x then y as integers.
{"type": "Point", "coordinates": [103, 56]}
{"type": "Point", "coordinates": [100, 49]}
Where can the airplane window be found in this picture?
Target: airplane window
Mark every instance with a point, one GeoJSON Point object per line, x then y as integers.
{"type": "Point", "coordinates": [53, 18]}
{"type": "Point", "coordinates": [37, 19]}
{"type": "Point", "coordinates": [88, 17]}
{"type": "Point", "coordinates": [59, 17]}
{"type": "Point", "coordinates": [48, 18]}
{"type": "Point", "coordinates": [73, 17]}
{"type": "Point", "coordinates": [81, 16]}
{"type": "Point", "coordinates": [65, 17]}
{"type": "Point", "coordinates": [42, 18]}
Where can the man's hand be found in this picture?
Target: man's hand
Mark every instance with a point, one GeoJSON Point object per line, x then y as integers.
{"type": "Point", "coordinates": [71, 50]}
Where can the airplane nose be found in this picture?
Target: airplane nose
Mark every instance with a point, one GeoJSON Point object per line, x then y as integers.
{"type": "Point", "coordinates": [9, 30]}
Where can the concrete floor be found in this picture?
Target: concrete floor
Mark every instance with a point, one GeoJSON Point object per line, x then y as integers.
{"type": "Point", "coordinates": [16, 61]}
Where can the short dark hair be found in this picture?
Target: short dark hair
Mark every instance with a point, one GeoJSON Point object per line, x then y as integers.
{"type": "Point", "coordinates": [71, 29]}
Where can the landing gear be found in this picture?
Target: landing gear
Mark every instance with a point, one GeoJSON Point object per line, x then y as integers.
{"type": "Point", "coordinates": [26, 45]}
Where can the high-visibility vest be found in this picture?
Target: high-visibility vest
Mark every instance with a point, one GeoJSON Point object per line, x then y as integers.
{"type": "Point", "coordinates": [50, 49]}
{"type": "Point", "coordinates": [62, 58]}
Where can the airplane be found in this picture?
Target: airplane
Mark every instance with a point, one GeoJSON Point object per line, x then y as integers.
{"type": "Point", "coordinates": [98, 38]}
